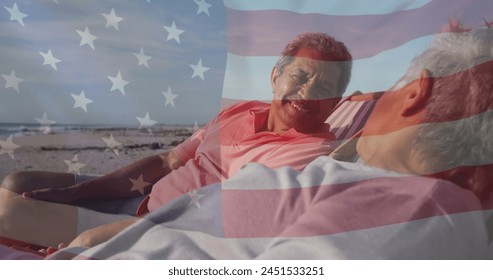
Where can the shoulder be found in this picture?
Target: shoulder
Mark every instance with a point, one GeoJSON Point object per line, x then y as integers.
{"type": "Point", "coordinates": [453, 198]}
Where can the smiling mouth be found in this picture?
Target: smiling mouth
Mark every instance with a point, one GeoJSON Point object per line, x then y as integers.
{"type": "Point", "coordinates": [300, 107]}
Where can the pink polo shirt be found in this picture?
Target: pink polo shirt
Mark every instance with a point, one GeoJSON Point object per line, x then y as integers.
{"type": "Point", "coordinates": [231, 140]}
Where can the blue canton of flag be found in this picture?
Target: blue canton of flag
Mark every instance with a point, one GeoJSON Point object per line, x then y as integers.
{"type": "Point", "coordinates": [122, 63]}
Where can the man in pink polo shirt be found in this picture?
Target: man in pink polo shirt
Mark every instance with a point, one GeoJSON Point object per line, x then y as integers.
{"type": "Point", "coordinates": [240, 132]}
{"type": "Point", "coordinates": [307, 82]}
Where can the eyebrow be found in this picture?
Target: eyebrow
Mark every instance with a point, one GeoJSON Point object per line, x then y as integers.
{"type": "Point", "coordinates": [300, 71]}
{"type": "Point", "coordinates": [325, 84]}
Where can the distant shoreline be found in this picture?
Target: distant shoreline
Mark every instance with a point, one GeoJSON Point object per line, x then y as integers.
{"type": "Point", "coordinates": [25, 129]}
{"type": "Point", "coordinates": [89, 150]}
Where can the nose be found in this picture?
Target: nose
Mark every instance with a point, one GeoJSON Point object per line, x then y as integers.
{"type": "Point", "coordinates": [308, 91]}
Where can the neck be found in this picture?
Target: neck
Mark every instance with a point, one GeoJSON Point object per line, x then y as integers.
{"type": "Point", "coordinates": [275, 127]}
{"type": "Point", "coordinates": [392, 151]}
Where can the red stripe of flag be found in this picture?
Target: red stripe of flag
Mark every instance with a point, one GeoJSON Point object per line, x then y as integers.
{"type": "Point", "coordinates": [329, 209]}
{"type": "Point", "coordinates": [265, 33]}
{"type": "Point", "coordinates": [478, 103]}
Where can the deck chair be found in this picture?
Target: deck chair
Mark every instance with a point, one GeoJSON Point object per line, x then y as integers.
{"type": "Point", "coordinates": [351, 114]}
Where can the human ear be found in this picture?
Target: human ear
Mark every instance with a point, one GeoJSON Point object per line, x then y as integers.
{"type": "Point", "coordinates": [418, 95]}
{"type": "Point", "coordinates": [273, 77]}
{"type": "Point", "coordinates": [426, 83]}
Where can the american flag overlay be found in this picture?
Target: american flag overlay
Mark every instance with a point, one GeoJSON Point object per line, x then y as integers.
{"type": "Point", "coordinates": [140, 64]}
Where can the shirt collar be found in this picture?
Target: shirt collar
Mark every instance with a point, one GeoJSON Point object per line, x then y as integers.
{"type": "Point", "coordinates": [260, 116]}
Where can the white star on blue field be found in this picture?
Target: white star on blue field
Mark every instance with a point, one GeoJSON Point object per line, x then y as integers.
{"type": "Point", "coordinates": [110, 62]}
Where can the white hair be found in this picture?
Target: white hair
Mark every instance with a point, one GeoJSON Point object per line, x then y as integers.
{"type": "Point", "coordinates": [459, 117]}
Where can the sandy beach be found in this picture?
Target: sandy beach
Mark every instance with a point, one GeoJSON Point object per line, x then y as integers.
{"type": "Point", "coordinates": [88, 151]}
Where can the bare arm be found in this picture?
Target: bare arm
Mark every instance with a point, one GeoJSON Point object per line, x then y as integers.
{"type": "Point", "coordinates": [129, 181]}
{"type": "Point", "coordinates": [138, 176]}
{"type": "Point", "coordinates": [98, 235]}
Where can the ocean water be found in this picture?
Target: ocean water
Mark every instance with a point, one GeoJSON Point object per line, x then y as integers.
{"type": "Point", "coordinates": [17, 130]}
